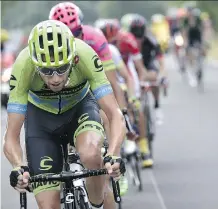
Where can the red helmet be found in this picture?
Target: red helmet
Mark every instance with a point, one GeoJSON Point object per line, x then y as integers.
{"type": "Point", "coordinates": [68, 13]}
{"type": "Point", "coordinates": [109, 27]}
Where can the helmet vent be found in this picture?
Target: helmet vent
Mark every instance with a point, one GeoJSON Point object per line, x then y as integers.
{"type": "Point", "coordinates": [50, 36]}
{"type": "Point", "coordinates": [60, 56]}
{"type": "Point", "coordinates": [71, 21]}
{"type": "Point", "coordinates": [34, 51]}
{"type": "Point", "coordinates": [41, 44]}
{"type": "Point", "coordinates": [51, 51]}
{"type": "Point", "coordinates": [43, 57]}
{"type": "Point", "coordinates": [59, 40]}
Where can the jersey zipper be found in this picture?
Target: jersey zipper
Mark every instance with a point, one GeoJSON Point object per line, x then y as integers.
{"type": "Point", "coordinates": [59, 103]}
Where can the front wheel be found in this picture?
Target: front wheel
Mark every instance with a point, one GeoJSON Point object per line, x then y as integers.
{"type": "Point", "coordinates": [82, 203]}
{"type": "Point", "coordinates": [81, 199]}
{"type": "Point", "coordinates": [138, 173]}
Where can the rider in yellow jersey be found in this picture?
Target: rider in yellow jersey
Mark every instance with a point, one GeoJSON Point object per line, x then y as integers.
{"type": "Point", "coordinates": [161, 30]}
{"type": "Point", "coordinates": [55, 81]}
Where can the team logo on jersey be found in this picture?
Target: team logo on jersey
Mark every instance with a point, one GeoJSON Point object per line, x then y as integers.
{"type": "Point", "coordinates": [12, 82]}
{"type": "Point", "coordinates": [98, 64]}
{"type": "Point", "coordinates": [83, 117]}
{"type": "Point", "coordinates": [76, 59]}
{"type": "Point", "coordinates": [102, 46]}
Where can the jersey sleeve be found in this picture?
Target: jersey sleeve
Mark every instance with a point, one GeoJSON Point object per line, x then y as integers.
{"type": "Point", "coordinates": [20, 83]}
{"type": "Point", "coordinates": [92, 68]}
{"type": "Point", "coordinates": [104, 52]}
{"type": "Point", "coordinates": [133, 48]}
{"type": "Point", "coordinates": [155, 45]}
{"type": "Point", "coordinates": [116, 56]}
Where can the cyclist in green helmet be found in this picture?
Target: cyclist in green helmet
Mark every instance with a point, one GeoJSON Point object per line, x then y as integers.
{"type": "Point", "coordinates": [57, 86]}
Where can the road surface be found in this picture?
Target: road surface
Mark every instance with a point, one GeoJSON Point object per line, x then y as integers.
{"type": "Point", "coordinates": [185, 175]}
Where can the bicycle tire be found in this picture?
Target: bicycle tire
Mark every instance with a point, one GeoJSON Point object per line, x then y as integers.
{"type": "Point", "coordinates": [150, 140]}
{"type": "Point", "coordinates": [150, 124]}
{"type": "Point", "coordinates": [165, 92]}
{"type": "Point", "coordinates": [80, 200]}
{"type": "Point", "coordinates": [83, 204]}
{"type": "Point", "coordinates": [120, 204]}
{"type": "Point", "coordinates": [138, 172]}
{"type": "Point", "coordinates": [134, 160]}
{"type": "Point", "coordinates": [200, 80]}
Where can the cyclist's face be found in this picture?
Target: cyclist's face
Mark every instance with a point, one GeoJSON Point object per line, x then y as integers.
{"type": "Point", "coordinates": [56, 78]}
{"type": "Point", "coordinates": [55, 82]}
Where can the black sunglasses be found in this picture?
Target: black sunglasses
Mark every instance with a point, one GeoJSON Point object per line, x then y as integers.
{"type": "Point", "coordinates": [58, 70]}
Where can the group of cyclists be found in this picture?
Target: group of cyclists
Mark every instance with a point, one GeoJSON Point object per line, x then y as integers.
{"type": "Point", "coordinates": [192, 30]}
{"type": "Point", "coordinates": [78, 81]}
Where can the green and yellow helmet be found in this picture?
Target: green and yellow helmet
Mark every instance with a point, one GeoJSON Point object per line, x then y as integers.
{"type": "Point", "coordinates": [205, 16]}
{"type": "Point", "coordinates": [4, 35]}
{"type": "Point", "coordinates": [125, 21]}
{"type": "Point", "coordinates": [51, 44]}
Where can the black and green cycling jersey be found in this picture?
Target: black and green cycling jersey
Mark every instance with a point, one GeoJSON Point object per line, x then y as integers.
{"type": "Point", "coordinates": [27, 85]}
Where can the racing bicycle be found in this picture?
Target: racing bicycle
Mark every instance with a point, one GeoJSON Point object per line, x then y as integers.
{"type": "Point", "coordinates": [73, 189]}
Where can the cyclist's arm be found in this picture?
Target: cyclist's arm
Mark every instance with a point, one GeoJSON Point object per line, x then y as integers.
{"type": "Point", "coordinates": [17, 106]}
{"type": "Point", "coordinates": [122, 70]}
{"type": "Point", "coordinates": [12, 148]}
{"type": "Point", "coordinates": [119, 95]}
{"type": "Point", "coordinates": [128, 79]}
{"type": "Point", "coordinates": [93, 69]}
{"type": "Point", "coordinates": [140, 68]}
{"type": "Point", "coordinates": [160, 58]}
{"type": "Point", "coordinates": [110, 70]}
{"type": "Point", "coordinates": [136, 56]}
{"type": "Point", "coordinates": [117, 123]}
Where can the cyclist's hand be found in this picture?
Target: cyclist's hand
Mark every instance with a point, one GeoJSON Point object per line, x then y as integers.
{"type": "Point", "coordinates": [132, 136]}
{"type": "Point", "coordinates": [115, 166]}
{"type": "Point", "coordinates": [135, 102]}
{"type": "Point", "coordinates": [163, 80]}
{"type": "Point", "coordinates": [150, 77]}
{"type": "Point", "coordinates": [19, 178]}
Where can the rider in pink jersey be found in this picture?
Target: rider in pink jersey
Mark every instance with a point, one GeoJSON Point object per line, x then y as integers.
{"type": "Point", "coordinates": [96, 39]}
{"type": "Point", "coordinates": [71, 15]}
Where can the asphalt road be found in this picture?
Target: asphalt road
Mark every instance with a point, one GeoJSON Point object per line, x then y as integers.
{"type": "Point", "coordinates": [185, 175]}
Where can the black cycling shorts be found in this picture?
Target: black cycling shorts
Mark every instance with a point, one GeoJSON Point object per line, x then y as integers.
{"type": "Point", "coordinates": [194, 36]}
{"type": "Point", "coordinates": [45, 132]}
{"type": "Point", "coordinates": [152, 66]}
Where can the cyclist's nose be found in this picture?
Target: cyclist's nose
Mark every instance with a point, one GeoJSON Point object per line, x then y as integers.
{"type": "Point", "coordinates": [56, 78]}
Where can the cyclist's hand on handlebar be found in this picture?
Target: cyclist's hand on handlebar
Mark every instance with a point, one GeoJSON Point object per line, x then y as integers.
{"type": "Point", "coordinates": [19, 178]}
{"type": "Point", "coordinates": [135, 102]}
{"type": "Point", "coordinates": [133, 136]}
{"type": "Point", "coordinates": [115, 166]}
{"type": "Point", "coordinates": [164, 81]}
{"type": "Point", "coordinates": [150, 77]}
